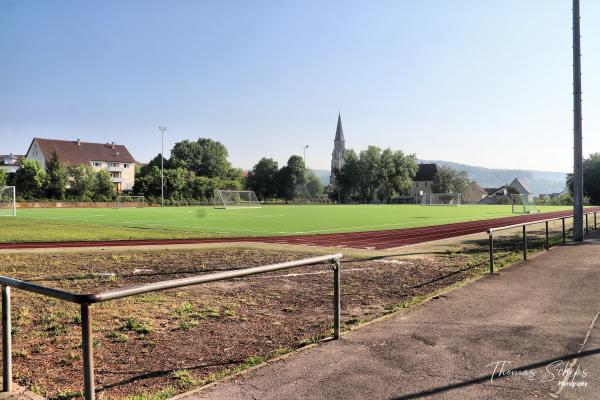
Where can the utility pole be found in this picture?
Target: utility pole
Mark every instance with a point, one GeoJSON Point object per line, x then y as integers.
{"type": "Point", "coordinates": [304, 148]}
{"type": "Point", "coordinates": [162, 130]}
{"type": "Point", "coordinates": [577, 130]}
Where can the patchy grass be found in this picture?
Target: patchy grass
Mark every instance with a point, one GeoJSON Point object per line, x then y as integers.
{"type": "Point", "coordinates": [156, 345]}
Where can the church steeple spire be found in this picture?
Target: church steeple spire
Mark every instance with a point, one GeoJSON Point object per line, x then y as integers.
{"type": "Point", "coordinates": [339, 132]}
{"type": "Point", "coordinates": [338, 155]}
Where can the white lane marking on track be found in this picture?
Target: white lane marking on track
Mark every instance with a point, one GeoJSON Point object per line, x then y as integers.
{"type": "Point", "coordinates": [570, 365]}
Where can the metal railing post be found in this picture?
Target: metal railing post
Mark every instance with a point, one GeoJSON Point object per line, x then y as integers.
{"type": "Point", "coordinates": [491, 241]}
{"type": "Point", "coordinates": [564, 231]}
{"type": "Point", "coordinates": [595, 224]}
{"type": "Point", "coordinates": [88, 355]}
{"type": "Point", "coordinates": [6, 341]}
{"type": "Point", "coordinates": [546, 243]}
{"type": "Point", "coordinates": [524, 242]}
{"type": "Point", "coordinates": [336, 299]}
{"type": "Point", "coordinates": [587, 229]}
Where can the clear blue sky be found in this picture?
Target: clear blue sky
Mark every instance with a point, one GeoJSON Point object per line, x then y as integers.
{"type": "Point", "coordinates": [484, 82]}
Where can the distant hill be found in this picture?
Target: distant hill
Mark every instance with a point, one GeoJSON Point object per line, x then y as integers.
{"type": "Point", "coordinates": [539, 181]}
{"type": "Point", "coordinates": [323, 175]}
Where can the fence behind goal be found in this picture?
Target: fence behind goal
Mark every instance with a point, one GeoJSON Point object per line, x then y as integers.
{"type": "Point", "coordinates": [8, 205]}
{"type": "Point", "coordinates": [235, 199]}
{"type": "Point", "coordinates": [441, 199]}
{"type": "Point", "coordinates": [130, 201]}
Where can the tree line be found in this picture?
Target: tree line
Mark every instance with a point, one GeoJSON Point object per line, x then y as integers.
{"type": "Point", "coordinates": [195, 169]}
{"type": "Point", "coordinates": [59, 181]}
{"type": "Point", "coordinates": [289, 183]}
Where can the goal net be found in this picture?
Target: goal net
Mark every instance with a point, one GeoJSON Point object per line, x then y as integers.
{"type": "Point", "coordinates": [522, 204]}
{"type": "Point", "coordinates": [8, 205]}
{"type": "Point", "coordinates": [441, 199]}
{"type": "Point", "coordinates": [130, 201]}
{"type": "Point", "coordinates": [235, 199]}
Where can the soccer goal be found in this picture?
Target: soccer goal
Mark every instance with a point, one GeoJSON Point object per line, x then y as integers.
{"type": "Point", "coordinates": [235, 199]}
{"type": "Point", "coordinates": [441, 199]}
{"type": "Point", "coordinates": [8, 204]}
{"type": "Point", "coordinates": [522, 204]}
{"type": "Point", "coordinates": [130, 201]}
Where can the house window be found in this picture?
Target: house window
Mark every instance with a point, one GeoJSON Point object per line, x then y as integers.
{"type": "Point", "coordinates": [125, 165]}
{"type": "Point", "coordinates": [115, 174]}
{"type": "Point", "coordinates": [96, 163]}
{"type": "Point", "coordinates": [425, 184]}
{"type": "Point", "coordinates": [113, 164]}
{"type": "Point", "coordinates": [417, 184]}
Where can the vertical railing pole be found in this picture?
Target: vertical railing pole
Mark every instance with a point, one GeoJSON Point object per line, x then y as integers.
{"type": "Point", "coordinates": [336, 299]}
{"type": "Point", "coordinates": [491, 241]}
{"type": "Point", "coordinates": [6, 341]}
{"type": "Point", "coordinates": [595, 224]}
{"type": "Point", "coordinates": [524, 242]}
{"type": "Point", "coordinates": [88, 355]}
{"type": "Point", "coordinates": [546, 243]}
{"type": "Point", "coordinates": [587, 229]}
{"type": "Point", "coordinates": [564, 231]}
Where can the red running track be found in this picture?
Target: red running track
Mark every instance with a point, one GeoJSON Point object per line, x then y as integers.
{"type": "Point", "coordinates": [361, 240]}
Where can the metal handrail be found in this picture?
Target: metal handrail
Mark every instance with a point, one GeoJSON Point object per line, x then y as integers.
{"type": "Point", "coordinates": [490, 232]}
{"type": "Point", "coordinates": [86, 300]}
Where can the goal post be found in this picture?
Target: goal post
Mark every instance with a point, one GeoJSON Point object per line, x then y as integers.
{"type": "Point", "coordinates": [8, 201]}
{"type": "Point", "coordinates": [522, 204]}
{"type": "Point", "coordinates": [441, 199]}
{"type": "Point", "coordinates": [124, 201]}
{"type": "Point", "coordinates": [226, 199]}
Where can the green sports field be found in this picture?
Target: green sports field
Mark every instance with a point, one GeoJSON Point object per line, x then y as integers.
{"type": "Point", "coordinates": [59, 224]}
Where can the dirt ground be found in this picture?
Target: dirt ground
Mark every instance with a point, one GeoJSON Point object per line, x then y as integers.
{"type": "Point", "coordinates": [159, 344]}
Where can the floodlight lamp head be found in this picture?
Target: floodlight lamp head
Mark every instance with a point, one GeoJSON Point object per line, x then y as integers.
{"type": "Point", "coordinates": [162, 128]}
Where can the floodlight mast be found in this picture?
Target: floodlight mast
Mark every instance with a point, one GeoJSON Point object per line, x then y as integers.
{"type": "Point", "coordinates": [304, 148]}
{"type": "Point", "coordinates": [577, 129]}
{"type": "Point", "coordinates": [162, 130]}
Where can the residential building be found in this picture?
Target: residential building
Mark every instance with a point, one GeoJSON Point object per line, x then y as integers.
{"type": "Point", "coordinates": [10, 162]}
{"type": "Point", "coordinates": [502, 194]}
{"type": "Point", "coordinates": [112, 157]}
{"type": "Point", "coordinates": [423, 181]}
{"type": "Point", "coordinates": [473, 194]}
{"type": "Point", "coordinates": [522, 188]}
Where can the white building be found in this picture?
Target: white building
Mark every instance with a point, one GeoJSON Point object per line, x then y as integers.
{"type": "Point", "coordinates": [10, 162]}
{"type": "Point", "coordinates": [112, 157]}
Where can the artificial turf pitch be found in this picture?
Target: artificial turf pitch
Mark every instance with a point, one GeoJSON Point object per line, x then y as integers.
{"type": "Point", "coordinates": [60, 224]}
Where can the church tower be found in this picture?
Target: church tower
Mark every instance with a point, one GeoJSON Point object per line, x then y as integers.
{"type": "Point", "coordinates": [339, 151]}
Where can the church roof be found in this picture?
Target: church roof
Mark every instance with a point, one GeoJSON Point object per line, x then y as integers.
{"type": "Point", "coordinates": [339, 132]}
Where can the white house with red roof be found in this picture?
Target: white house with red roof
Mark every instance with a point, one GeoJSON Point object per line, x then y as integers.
{"type": "Point", "coordinates": [114, 158]}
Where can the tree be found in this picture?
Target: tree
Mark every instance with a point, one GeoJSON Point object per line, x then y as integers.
{"type": "Point", "coordinates": [30, 179]}
{"type": "Point", "coordinates": [449, 180]}
{"type": "Point", "coordinates": [104, 188]}
{"type": "Point", "coordinates": [206, 157]}
{"type": "Point", "coordinates": [57, 177]}
{"type": "Point", "coordinates": [262, 178]}
{"type": "Point", "coordinates": [347, 178]}
{"type": "Point", "coordinates": [82, 182]}
{"type": "Point", "coordinates": [591, 178]}
{"type": "Point", "coordinates": [175, 183]}
{"type": "Point", "coordinates": [3, 177]}
{"type": "Point", "coordinates": [396, 171]}
{"type": "Point", "coordinates": [147, 182]}
{"type": "Point", "coordinates": [290, 179]}
{"type": "Point", "coordinates": [314, 187]}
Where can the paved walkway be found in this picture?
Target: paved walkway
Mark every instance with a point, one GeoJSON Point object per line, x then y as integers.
{"type": "Point", "coordinates": [534, 318]}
